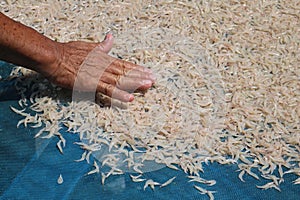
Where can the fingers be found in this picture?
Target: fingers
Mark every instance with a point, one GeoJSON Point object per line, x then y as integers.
{"type": "Point", "coordinates": [128, 83]}
{"type": "Point", "coordinates": [107, 43]}
{"type": "Point", "coordinates": [122, 78]}
{"type": "Point", "coordinates": [114, 92]}
{"type": "Point", "coordinates": [132, 85]}
{"type": "Point", "coordinates": [141, 75]}
{"type": "Point", "coordinates": [134, 74]}
{"type": "Point", "coordinates": [120, 87]}
{"type": "Point", "coordinates": [121, 67]}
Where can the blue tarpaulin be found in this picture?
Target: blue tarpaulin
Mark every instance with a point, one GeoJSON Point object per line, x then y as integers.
{"type": "Point", "coordinates": [30, 167]}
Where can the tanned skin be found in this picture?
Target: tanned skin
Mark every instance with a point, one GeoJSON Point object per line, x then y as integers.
{"type": "Point", "coordinates": [61, 62]}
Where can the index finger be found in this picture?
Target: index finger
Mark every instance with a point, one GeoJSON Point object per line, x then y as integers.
{"type": "Point", "coordinates": [121, 67]}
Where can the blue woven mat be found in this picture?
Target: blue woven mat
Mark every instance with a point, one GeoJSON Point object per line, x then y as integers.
{"type": "Point", "coordinates": [29, 169]}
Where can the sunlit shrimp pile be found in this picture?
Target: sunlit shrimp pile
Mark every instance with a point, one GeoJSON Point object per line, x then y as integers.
{"type": "Point", "coordinates": [227, 90]}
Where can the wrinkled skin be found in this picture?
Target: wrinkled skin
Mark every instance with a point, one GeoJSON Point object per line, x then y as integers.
{"type": "Point", "coordinates": [110, 76]}
{"type": "Point", "coordinates": [75, 65]}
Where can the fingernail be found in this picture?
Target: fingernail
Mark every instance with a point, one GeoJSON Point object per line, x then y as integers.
{"type": "Point", "coordinates": [108, 36]}
{"type": "Point", "coordinates": [147, 82]}
{"type": "Point", "coordinates": [152, 77]}
{"type": "Point", "coordinates": [148, 70]}
{"type": "Point", "coordinates": [130, 97]}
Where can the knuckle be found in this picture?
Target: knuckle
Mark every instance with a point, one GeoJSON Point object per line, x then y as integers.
{"type": "Point", "coordinates": [118, 80]}
{"type": "Point", "coordinates": [109, 89]}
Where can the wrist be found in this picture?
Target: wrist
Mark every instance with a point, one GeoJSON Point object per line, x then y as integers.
{"type": "Point", "coordinates": [49, 59]}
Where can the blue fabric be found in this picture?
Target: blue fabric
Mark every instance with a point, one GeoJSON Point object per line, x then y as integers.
{"type": "Point", "coordinates": [29, 169]}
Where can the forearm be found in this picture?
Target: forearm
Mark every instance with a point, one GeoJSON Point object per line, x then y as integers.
{"type": "Point", "coordinates": [24, 46]}
{"type": "Point", "coordinates": [62, 63]}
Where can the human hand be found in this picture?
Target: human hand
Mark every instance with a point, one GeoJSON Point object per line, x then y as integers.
{"type": "Point", "coordinates": [87, 67]}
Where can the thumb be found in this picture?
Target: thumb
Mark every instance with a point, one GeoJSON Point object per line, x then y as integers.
{"type": "Point", "coordinates": [107, 43]}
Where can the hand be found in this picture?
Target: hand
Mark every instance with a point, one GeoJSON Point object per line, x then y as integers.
{"type": "Point", "coordinates": [87, 67]}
